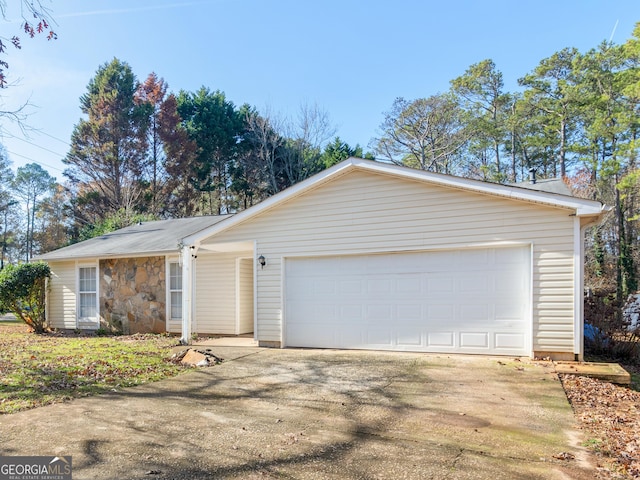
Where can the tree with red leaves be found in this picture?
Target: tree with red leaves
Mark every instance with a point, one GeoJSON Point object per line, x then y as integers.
{"type": "Point", "coordinates": [36, 20]}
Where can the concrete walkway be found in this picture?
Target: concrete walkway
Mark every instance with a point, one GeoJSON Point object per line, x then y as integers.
{"type": "Point", "coordinates": [318, 414]}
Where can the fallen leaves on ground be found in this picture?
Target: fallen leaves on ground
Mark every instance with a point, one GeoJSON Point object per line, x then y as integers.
{"type": "Point", "coordinates": [37, 370]}
{"type": "Point", "coordinates": [610, 415]}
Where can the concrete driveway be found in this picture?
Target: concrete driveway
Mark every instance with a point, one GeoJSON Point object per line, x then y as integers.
{"type": "Point", "coordinates": [318, 414]}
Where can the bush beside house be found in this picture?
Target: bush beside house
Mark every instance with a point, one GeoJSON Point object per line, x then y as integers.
{"type": "Point", "coordinates": [22, 292]}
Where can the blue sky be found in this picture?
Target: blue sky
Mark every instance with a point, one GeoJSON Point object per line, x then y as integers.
{"type": "Point", "coordinates": [350, 57]}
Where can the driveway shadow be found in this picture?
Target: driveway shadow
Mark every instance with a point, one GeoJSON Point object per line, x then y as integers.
{"type": "Point", "coordinates": [316, 414]}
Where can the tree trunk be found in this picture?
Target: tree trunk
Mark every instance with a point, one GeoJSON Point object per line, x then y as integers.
{"type": "Point", "coordinates": [562, 154]}
{"type": "Point", "coordinates": [514, 168]}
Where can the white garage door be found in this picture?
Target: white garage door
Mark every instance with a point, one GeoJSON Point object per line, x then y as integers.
{"type": "Point", "coordinates": [467, 301]}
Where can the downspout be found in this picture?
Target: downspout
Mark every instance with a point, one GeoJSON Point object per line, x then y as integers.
{"type": "Point", "coordinates": [578, 289]}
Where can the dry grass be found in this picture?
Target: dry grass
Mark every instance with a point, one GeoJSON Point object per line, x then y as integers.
{"type": "Point", "coordinates": [37, 370]}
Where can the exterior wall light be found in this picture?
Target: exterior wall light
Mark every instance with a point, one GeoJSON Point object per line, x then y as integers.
{"type": "Point", "coordinates": [262, 261]}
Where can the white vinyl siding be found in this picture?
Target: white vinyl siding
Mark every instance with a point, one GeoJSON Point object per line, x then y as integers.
{"type": "Point", "coordinates": [61, 295]}
{"type": "Point", "coordinates": [215, 285]}
{"type": "Point", "coordinates": [363, 212]}
{"type": "Point", "coordinates": [245, 296]}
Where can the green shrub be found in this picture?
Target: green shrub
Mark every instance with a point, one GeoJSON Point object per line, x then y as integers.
{"type": "Point", "coordinates": [23, 292]}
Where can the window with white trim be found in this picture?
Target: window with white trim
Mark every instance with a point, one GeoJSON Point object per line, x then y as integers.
{"type": "Point", "coordinates": [175, 290]}
{"type": "Point", "coordinates": [88, 293]}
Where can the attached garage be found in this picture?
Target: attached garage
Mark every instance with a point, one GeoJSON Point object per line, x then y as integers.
{"type": "Point", "coordinates": [465, 301]}
{"type": "Point", "coordinates": [367, 255]}
{"type": "Point", "coordinates": [363, 255]}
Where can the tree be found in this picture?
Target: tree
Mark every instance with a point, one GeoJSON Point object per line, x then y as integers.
{"type": "Point", "coordinates": [6, 199]}
{"type": "Point", "coordinates": [250, 171]}
{"type": "Point", "coordinates": [108, 149]}
{"type": "Point", "coordinates": [179, 192]}
{"type": "Point", "coordinates": [530, 140]}
{"type": "Point", "coordinates": [6, 179]}
{"type": "Point", "coordinates": [152, 94]}
{"type": "Point", "coordinates": [280, 152]}
{"type": "Point", "coordinates": [337, 151]}
{"type": "Point", "coordinates": [305, 136]}
{"type": "Point", "coordinates": [481, 94]}
{"type": "Point", "coordinates": [264, 145]}
{"type": "Point", "coordinates": [31, 182]}
{"type": "Point", "coordinates": [552, 89]}
{"type": "Point", "coordinates": [23, 292]}
{"type": "Point", "coordinates": [611, 128]}
{"type": "Point", "coordinates": [52, 220]}
{"type": "Point", "coordinates": [36, 20]}
{"type": "Point", "coordinates": [426, 133]}
{"type": "Point", "coordinates": [113, 222]}
{"type": "Point", "coordinates": [215, 125]}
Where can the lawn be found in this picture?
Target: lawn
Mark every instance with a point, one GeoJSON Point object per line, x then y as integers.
{"type": "Point", "coordinates": [37, 370]}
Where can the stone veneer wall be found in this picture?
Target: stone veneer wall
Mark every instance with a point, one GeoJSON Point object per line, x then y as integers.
{"type": "Point", "coordinates": [133, 295]}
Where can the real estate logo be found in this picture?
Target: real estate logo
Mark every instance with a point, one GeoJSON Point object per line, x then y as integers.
{"type": "Point", "coordinates": [35, 468]}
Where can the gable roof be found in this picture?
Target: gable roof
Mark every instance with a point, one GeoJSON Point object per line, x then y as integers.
{"type": "Point", "coordinates": [148, 238]}
{"type": "Point", "coordinates": [164, 236]}
{"type": "Point", "coordinates": [582, 207]}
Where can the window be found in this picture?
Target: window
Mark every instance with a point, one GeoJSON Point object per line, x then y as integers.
{"type": "Point", "coordinates": [175, 290]}
{"type": "Point", "coordinates": [87, 289]}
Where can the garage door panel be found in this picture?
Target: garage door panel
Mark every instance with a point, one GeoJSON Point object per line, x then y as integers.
{"type": "Point", "coordinates": [437, 284]}
{"type": "Point", "coordinates": [509, 284]}
{"type": "Point", "coordinates": [474, 313]}
{"type": "Point", "coordinates": [410, 313]}
{"type": "Point", "coordinates": [324, 286]}
{"type": "Point", "coordinates": [511, 256]}
{"type": "Point", "coordinates": [380, 336]}
{"type": "Point", "coordinates": [473, 301]}
{"type": "Point", "coordinates": [474, 340]}
{"type": "Point", "coordinates": [352, 313]}
{"type": "Point", "coordinates": [379, 286]}
{"type": "Point", "coordinates": [350, 287]}
{"type": "Point", "coordinates": [509, 341]}
{"type": "Point", "coordinates": [351, 339]}
{"type": "Point", "coordinates": [379, 312]}
{"type": "Point", "coordinates": [409, 337]}
{"type": "Point", "coordinates": [440, 314]}
{"type": "Point", "coordinates": [473, 259]}
{"type": "Point", "coordinates": [409, 285]}
{"type": "Point", "coordinates": [475, 284]}
{"type": "Point", "coordinates": [300, 334]}
{"type": "Point", "coordinates": [508, 311]}
{"type": "Point", "coordinates": [441, 339]}
{"type": "Point", "coordinates": [315, 313]}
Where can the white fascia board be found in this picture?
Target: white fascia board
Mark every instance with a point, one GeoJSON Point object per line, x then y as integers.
{"type": "Point", "coordinates": [582, 206]}
{"type": "Point", "coordinates": [165, 253]}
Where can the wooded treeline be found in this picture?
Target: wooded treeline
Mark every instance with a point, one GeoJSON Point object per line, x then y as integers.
{"type": "Point", "coordinates": [143, 152]}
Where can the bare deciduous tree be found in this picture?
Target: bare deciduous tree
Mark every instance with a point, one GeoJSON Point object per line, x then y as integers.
{"type": "Point", "coordinates": [265, 141]}
{"type": "Point", "coordinates": [306, 135]}
{"type": "Point", "coordinates": [426, 133]}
